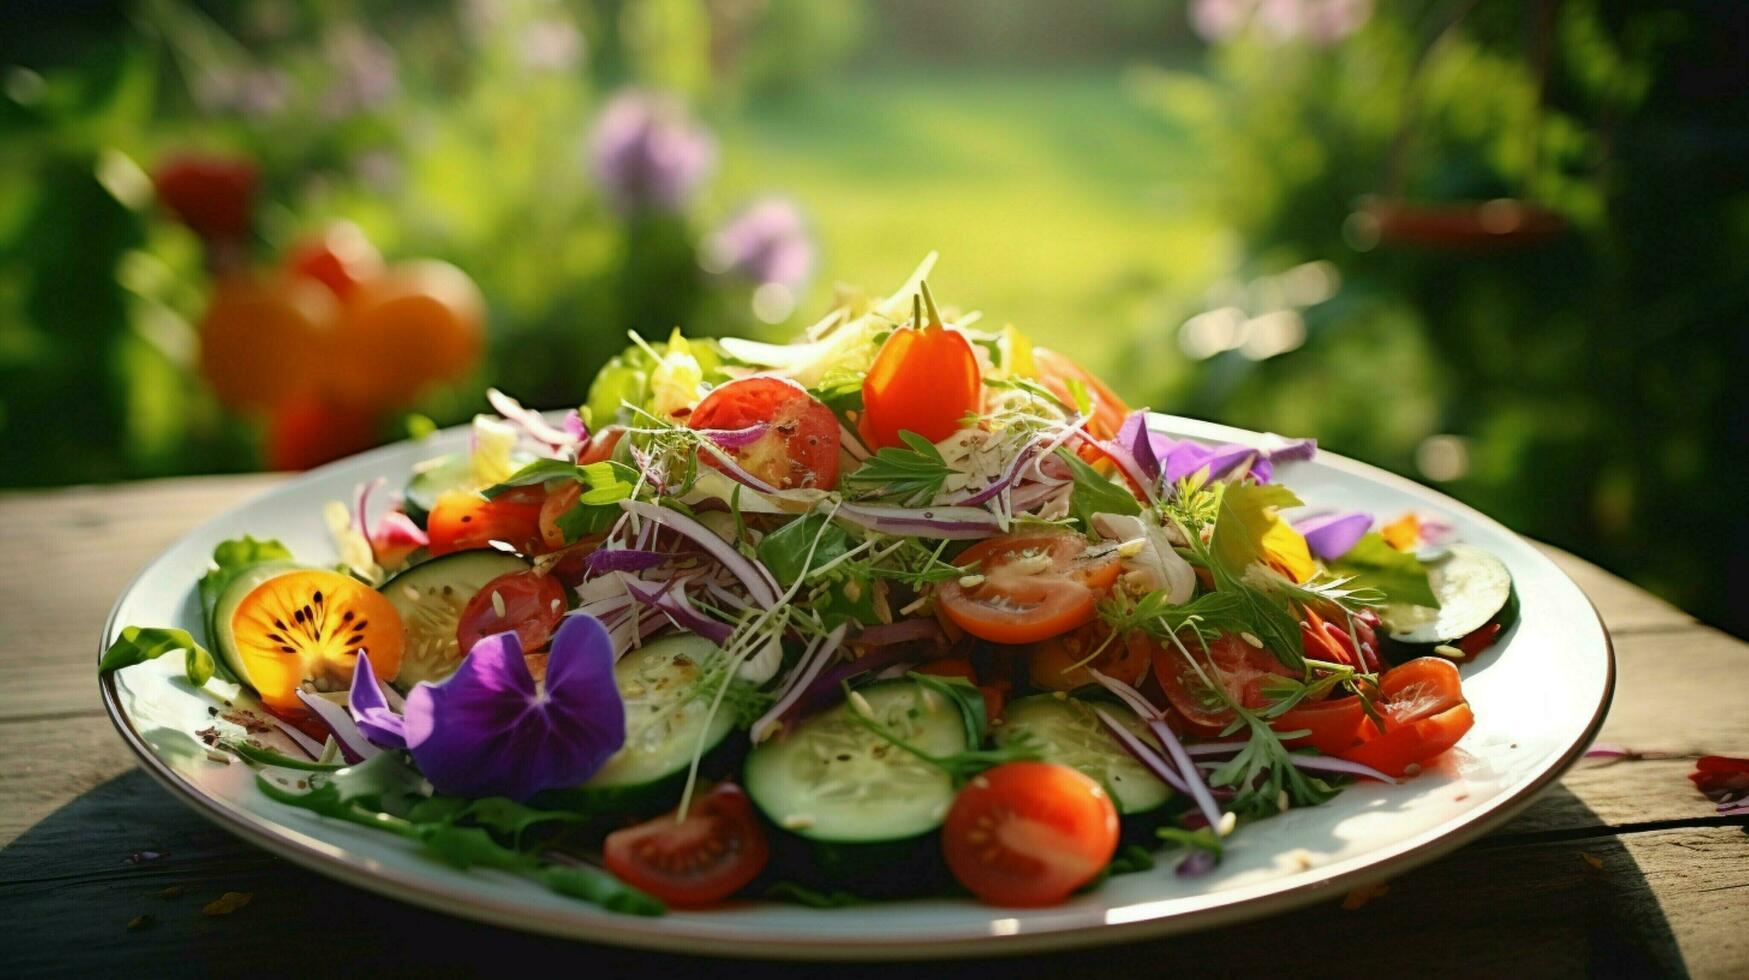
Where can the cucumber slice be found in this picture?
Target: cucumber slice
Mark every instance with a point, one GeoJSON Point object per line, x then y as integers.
{"type": "Point", "coordinates": [668, 718]}
{"type": "Point", "coordinates": [833, 780]}
{"type": "Point", "coordinates": [1070, 734]}
{"type": "Point", "coordinates": [433, 479]}
{"type": "Point", "coordinates": [1472, 586]}
{"type": "Point", "coordinates": [430, 597]}
{"type": "Point", "coordinates": [221, 630]}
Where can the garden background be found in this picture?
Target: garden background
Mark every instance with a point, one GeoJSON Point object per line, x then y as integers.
{"type": "Point", "coordinates": [1499, 247]}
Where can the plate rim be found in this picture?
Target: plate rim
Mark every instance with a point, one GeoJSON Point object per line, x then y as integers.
{"type": "Point", "coordinates": [1241, 905]}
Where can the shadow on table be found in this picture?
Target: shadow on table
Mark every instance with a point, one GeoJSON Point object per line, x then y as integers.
{"type": "Point", "coordinates": [1529, 904]}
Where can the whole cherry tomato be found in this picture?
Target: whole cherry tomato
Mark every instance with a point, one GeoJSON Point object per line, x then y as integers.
{"type": "Point", "coordinates": [213, 195]}
{"type": "Point", "coordinates": [263, 341]}
{"type": "Point", "coordinates": [925, 380]}
{"type": "Point", "coordinates": [339, 258]}
{"type": "Point", "coordinates": [418, 325]}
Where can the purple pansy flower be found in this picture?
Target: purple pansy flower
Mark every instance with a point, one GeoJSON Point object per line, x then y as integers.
{"type": "Point", "coordinates": [490, 730]}
{"type": "Point", "coordinates": [1163, 457]}
{"type": "Point", "coordinates": [648, 154]}
{"type": "Point", "coordinates": [1330, 536]}
{"type": "Point", "coordinates": [768, 242]}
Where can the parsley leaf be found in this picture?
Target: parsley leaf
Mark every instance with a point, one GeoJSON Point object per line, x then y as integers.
{"type": "Point", "coordinates": [1374, 564]}
{"type": "Point", "coordinates": [912, 477]}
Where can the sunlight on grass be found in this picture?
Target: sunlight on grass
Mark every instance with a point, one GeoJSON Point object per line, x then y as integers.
{"type": "Point", "coordinates": [1045, 194]}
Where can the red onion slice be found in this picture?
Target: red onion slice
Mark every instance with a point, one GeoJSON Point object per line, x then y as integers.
{"type": "Point", "coordinates": [753, 576]}
{"type": "Point", "coordinates": [956, 523]}
{"type": "Point", "coordinates": [1142, 752]}
{"type": "Point", "coordinates": [800, 680]}
{"type": "Point", "coordinates": [353, 745]}
{"type": "Point", "coordinates": [903, 631]}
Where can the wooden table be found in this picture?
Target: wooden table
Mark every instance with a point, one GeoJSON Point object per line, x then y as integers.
{"type": "Point", "coordinates": [1622, 868]}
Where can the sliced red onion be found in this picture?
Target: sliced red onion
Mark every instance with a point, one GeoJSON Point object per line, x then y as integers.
{"type": "Point", "coordinates": [807, 670]}
{"type": "Point", "coordinates": [736, 438]}
{"type": "Point", "coordinates": [1142, 752]}
{"type": "Point", "coordinates": [753, 577]}
{"type": "Point", "coordinates": [633, 630]}
{"type": "Point", "coordinates": [1603, 751]}
{"type": "Point", "coordinates": [310, 746]}
{"type": "Point", "coordinates": [826, 689]}
{"type": "Point", "coordinates": [671, 601]}
{"type": "Point", "coordinates": [956, 523]}
{"type": "Point", "coordinates": [851, 444]}
{"type": "Point", "coordinates": [603, 560]}
{"type": "Point", "coordinates": [1734, 807]}
{"type": "Point", "coordinates": [531, 422]}
{"type": "Point", "coordinates": [1214, 748]}
{"type": "Point", "coordinates": [1006, 478]}
{"type": "Point", "coordinates": [1125, 462]}
{"type": "Point", "coordinates": [903, 631]}
{"type": "Point", "coordinates": [1031, 496]}
{"type": "Point", "coordinates": [353, 745]}
{"type": "Point", "coordinates": [1325, 763]}
{"type": "Point", "coordinates": [724, 596]}
{"type": "Point", "coordinates": [1197, 863]}
{"type": "Point", "coordinates": [1156, 721]}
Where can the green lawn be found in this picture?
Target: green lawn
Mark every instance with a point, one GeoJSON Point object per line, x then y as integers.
{"type": "Point", "coordinates": [1046, 194]}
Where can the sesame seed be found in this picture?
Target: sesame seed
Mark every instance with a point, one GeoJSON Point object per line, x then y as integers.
{"type": "Point", "coordinates": [860, 704]}
{"type": "Point", "coordinates": [798, 821]}
{"type": "Point", "coordinates": [1229, 820]}
{"type": "Point", "coordinates": [1449, 652]}
{"type": "Point", "coordinates": [1131, 548]}
{"type": "Point", "coordinates": [498, 603]}
{"type": "Point", "coordinates": [1252, 639]}
{"type": "Point", "coordinates": [971, 581]}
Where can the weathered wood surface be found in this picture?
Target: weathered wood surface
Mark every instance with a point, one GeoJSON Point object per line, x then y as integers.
{"type": "Point", "coordinates": [1621, 869]}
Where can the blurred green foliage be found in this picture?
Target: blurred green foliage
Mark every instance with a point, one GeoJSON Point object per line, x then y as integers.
{"type": "Point", "coordinates": [1191, 218]}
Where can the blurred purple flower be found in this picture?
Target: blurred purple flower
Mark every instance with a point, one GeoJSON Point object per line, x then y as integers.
{"type": "Point", "coordinates": [1218, 20]}
{"type": "Point", "coordinates": [1322, 22]}
{"type": "Point", "coordinates": [768, 242]}
{"type": "Point", "coordinates": [551, 45]}
{"type": "Point", "coordinates": [648, 154]}
{"type": "Point", "coordinates": [364, 72]}
{"type": "Point", "coordinates": [252, 92]}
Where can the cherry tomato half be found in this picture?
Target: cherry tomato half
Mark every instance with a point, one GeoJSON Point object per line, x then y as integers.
{"type": "Point", "coordinates": [924, 380]}
{"type": "Point", "coordinates": [1029, 833]}
{"type": "Point", "coordinates": [1422, 687]}
{"type": "Point", "coordinates": [466, 521]}
{"type": "Point", "coordinates": [1029, 586]}
{"type": "Point", "coordinates": [698, 861]}
{"type": "Point", "coordinates": [1414, 743]}
{"type": "Point", "coordinates": [800, 449]}
{"type": "Point", "coordinates": [1238, 667]}
{"type": "Point", "coordinates": [1332, 726]}
{"type": "Point", "coordinates": [527, 602]}
{"type": "Point", "coordinates": [1061, 663]}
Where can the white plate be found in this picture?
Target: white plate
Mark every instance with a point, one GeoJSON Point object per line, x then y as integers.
{"type": "Point", "coordinates": [1539, 696]}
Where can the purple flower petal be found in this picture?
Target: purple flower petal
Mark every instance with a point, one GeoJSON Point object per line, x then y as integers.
{"type": "Point", "coordinates": [1134, 436]}
{"type": "Point", "coordinates": [489, 731]}
{"type": "Point", "coordinates": [371, 710]}
{"type": "Point", "coordinates": [1330, 536]}
{"type": "Point", "coordinates": [603, 560]}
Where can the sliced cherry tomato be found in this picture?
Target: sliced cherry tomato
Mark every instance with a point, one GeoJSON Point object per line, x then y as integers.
{"type": "Point", "coordinates": [924, 380]}
{"type": "Point", "coordinates": [339, 258]}
{"type": "Point", "coordinates": [1333, 725]}
{"type": "Point", "coordinates": [1413, 743]}
{"type": "Point", "coordinates": [800, 449]}
{"type": "Point", "coordinates": [528, 602]}
{"type": "Point", "coordinates": [1480, 640]}
{"type": "Point", "coordinates": [601, 445]}
{"type": "Point", "coordinates": [212, 195]}
{"type": "Point", "coordinates": [995, 695]}
{"type": "Point", "coordinates": [1055, 373]}
{"type": "Point", "coordinates": [1061, 663]}
{"type": "Point", "coordinates": [466, 521]}
{"type": "Point", "coordinates": [1422, 687]}
{"type": "Point", "coordinates": [694, 862]}
{"type": "Point", "coordinates": [1238, 667]}
{"type": "Point", "coordinates": [1029, 586]}
{"type": "Point", "coordinates": [557, 503]}
{"type": "Point", "coordinates": [1029, 833]}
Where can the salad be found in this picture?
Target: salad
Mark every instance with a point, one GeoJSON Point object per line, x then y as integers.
{"type": "Point", "coordinates": [908, 607]}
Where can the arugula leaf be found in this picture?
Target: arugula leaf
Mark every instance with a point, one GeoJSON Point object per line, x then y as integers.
{"type": "Point", "coordinates": [1245, 520]}
{"type": "Point", "coordinates": [138, 644]}
{"type": "Point", "coordinates": [536, 472]}
{"type": "Point", "coordinates": [1373, 563]}
{"type": "Point", "coordinates": [784, 552]}
{"type": "Point", "coordinates": [1094, 494]}
{"type": "Point", "coordinates": [910, 476]}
